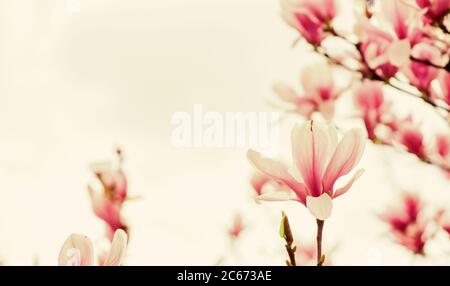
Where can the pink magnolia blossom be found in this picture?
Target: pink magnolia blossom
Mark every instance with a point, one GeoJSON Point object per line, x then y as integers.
{"type": "Point", "coordinates": [78, 250]}
{"type": "Point", "coordinates": [434, 9]}
{"type": "Point", "coordinates": [107, 200]}
{"type": "Point", "coordinates": [386, 49]}
{"type": "Point", "coordinates": [320, 161]}
{"type": "Point", "coordinates": [107, 210]}
{"type": "Point", "coordinates": [319, 92]}
{"type": "Point", "coordinates": [309, 17]}
{"type": "Point", "coordinates": [410, 136]}
{"type": "Point", "coordinates": [369, 99]}
{"type": "Point", "coordinates": [407, 223]}
{"type": "Point", "coordinates": [381, 52]}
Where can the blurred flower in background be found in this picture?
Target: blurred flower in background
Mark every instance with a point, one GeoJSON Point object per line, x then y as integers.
{"type": "Point", "coordinates": [409, 224]}
{"type": "Point", "coordinates": [108, 199]}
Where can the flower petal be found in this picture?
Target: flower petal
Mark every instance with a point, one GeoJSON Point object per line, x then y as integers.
{"type": "Point", "coordinates": [118, 248]}
{"type": "Point", "coordinates": [398, 52]}
{"type": "Point", "coordinates": [285, 92]}
{"type": "Point", "coordinates": [77, 250]}
{"type": "Point", "coordinates": [277, 196]}
{"type": "Point", "coordinates": [320, 207]}
{"type": "Point", "coordinates": [346, 156]}
{"type": "Point", "coordinates": [326, 108]}
{"type": "Point", "coordinates": [347, 186]}
{"type": "Point", "coordinates": [105, 208]}
{"type": "Point", "coordinates": [278, 172]}
{"type": "Point", "coordinates": [397, 13]}
{"type": "Point", "coordinates": [311, 150]}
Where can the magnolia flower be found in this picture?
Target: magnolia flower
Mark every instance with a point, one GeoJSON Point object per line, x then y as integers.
{"type": "Point", "coordinates": [108, 211]}
{"type": "Point", "coordinates": [434, 9]}
{"type": "Point", "coordinates": [319, 92]}
{"type": "Point", "coordinates": [108, 198]}
{"type": "Point", "coordinates": [78, 250]}
{"type": "Point", "coordinates": [407, 223]}
{"type": "Point", "coordinates": [309, 17]}
{"type": "Point", "coordinates": [411, 137]}
{"type": "Point", "coordinates": [320, 161]}
{"type": "Point", "coordinates": [369, 99]}
{"type": "Point", "coordinates": [387, 48]}
{"type": "Point", "coordinates": [113, 180]}
{"type": "Point", "coordinates": [381, 52]}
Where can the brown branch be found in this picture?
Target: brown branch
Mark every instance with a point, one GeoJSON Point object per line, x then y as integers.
{"type": "Point", "coordinates": [428, 63]}
{"type": "Point", "coordinates": [423, 97]}
{"type": "Point", "coordinates": [372, 76]}
{"type": "Point", "coordinates": [425, 160]}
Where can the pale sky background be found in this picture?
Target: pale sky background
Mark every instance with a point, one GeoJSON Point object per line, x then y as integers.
{"type": "Point", "coordinates": [75, 84]}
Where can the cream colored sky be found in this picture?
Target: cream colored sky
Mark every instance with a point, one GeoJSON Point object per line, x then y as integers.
{"type": "Point", "coordinates": [75, 85]}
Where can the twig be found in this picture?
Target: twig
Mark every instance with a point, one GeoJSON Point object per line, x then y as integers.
{"type": "Point", "coordinates": [286, 234]}
{"type": "Point", "coordinates": [428, 63]}
{"type": "Point", "coordinates": [373, 76]}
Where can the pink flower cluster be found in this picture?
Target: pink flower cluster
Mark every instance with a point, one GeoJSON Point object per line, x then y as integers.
{"type": "Point", "coordinates": [405, 42]}
{"type": "Point", "coordinates": [319, 92]}
{"type": "Point", "coordinates": [378, 116]}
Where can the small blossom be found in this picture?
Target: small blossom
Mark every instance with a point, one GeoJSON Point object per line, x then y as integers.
{"type": "Point", "coordinates": [309, 17]}
{"type": "Point", "coordinates": [319, 92]}
{"type": "Point", "coordinates": [411, 137]}
{"type": "Point", "coordinates": [407, 223]}
{"type": "Point", "coordinates": [107, 201]}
